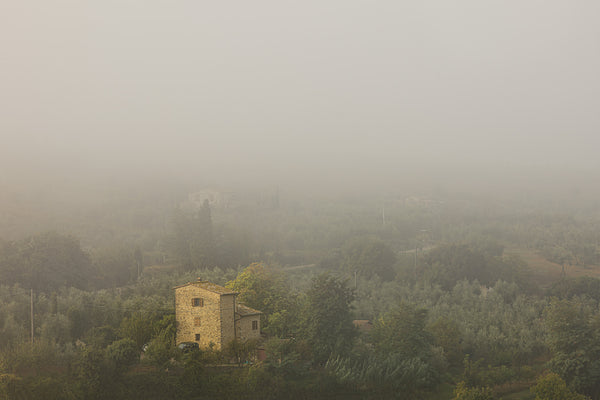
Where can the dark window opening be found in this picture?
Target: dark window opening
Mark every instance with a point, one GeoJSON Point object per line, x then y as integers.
{"type": "Point", "coordinates": [254, 325]}
{"type": "Point", "coordinates": [197, 302]}
{"type": "Point", "coordinates": [197, 337]}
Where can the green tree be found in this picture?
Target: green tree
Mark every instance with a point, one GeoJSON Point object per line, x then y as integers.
{"type": "Point", "coordinates": [574, 337]}
{"type": "Point", "coordinates": [560, 255]}
{"type": "Point", "coordinates": [45, 262]}
{"type": "Point", "coordinates": [368, 257]}
{"type": "Point", "coordinates": [115, 266]}
{"type": "Point", "coordinates": [11, 387]}
{"type": "Point", "coordinates": [448, 264]}
{"type": "Point", "coordinates": [191, 242]}
{"type": "Point", "coordinates": [580, 286]}
{"type": "Point", "coordinates": [138, 327]}
{"type": "Point", "coordinates": [161, 349]}
{"type": "Point", "coordinates": [240, 351]}
{"type": "Point", "coordinates": [56, 327]}
{"type": "Point", "coordinates": [384, 375]}
{"type": "Point", "coordinates": [464, 392]}
{"type": "Point", "coordinates": [101, 336]}
{"type": "Point", "coordinates": [94, 377]}
{"type": "Point", "coordinates": [122, 353]}
{"type": "Point", "coordinates": [446, 334]}
{"type": "Point", "coordinates": [327, 317]}
{"type": "Point", "coordinates": [193, 375]}
{"type": "Point", "coordinates": [552, 387]}
{"type": "Point", "coordinates": [402, 331]}
{"type": "Point", "coordinates": [265, 289]}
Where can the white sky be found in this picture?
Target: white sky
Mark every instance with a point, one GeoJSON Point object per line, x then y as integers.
{"type": "Point", "coordinates": [263, 85]}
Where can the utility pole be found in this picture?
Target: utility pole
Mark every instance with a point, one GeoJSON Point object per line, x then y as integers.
{"type": "Point", "coordinates": [415, 268]}
{"type": "Point", "coordinates": [31, 315]}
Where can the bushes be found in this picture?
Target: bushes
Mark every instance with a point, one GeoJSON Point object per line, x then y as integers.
{"type": "Point", "coordinates": [552, 387]}
{"type": "Point", "coordinates": [464, 392]}
{"type": "Point", "coordinates": [122, 353]}
{"type": "Point", "coordinates": [393, 375]}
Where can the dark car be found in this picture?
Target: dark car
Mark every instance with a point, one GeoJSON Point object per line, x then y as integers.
{"type": "Point", "coordinates": [188, 346]}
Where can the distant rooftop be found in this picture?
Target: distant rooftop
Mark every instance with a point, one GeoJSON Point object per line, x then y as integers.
{"type": "Point", "coordinates": [363, 325]}
{"type": "Point", "coordinates": [206, 285]}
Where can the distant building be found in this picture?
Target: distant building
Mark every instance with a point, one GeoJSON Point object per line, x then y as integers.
{"type": "Point", "coordinates": [216, 199]}
{"type": "Point", "coordinates": [210, 315]}
{"type": "Point", "coordinates": [363, 325]}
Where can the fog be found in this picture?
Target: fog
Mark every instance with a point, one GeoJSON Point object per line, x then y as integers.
{"type": "Point", "coordinates": [337, 91]}
{"type": "Point", "coordinates": [399, 197]}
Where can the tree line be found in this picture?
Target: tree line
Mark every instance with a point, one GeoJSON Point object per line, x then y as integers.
{"type": "Point", "coordinates": [451, 315]}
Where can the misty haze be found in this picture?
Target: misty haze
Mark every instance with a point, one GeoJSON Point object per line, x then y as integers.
{"type": "Point", "coordinates": [268, 200]}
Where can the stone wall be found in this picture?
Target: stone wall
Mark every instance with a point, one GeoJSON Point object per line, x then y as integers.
{"type": "Point", "coordinates": [227, 319]}
{"type": "Point", "coordinates": [210, 314]}
{"type": "Point", "coordinates": [214, 320]}
{"type": "Point", "coordinates": [245, 324]}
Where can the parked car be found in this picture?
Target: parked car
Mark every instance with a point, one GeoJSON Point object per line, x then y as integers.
{"type": "Point", "coordinates": [188, 346]}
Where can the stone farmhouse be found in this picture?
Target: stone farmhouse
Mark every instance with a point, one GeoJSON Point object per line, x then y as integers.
{"type": "Point", "coordinates": [210, 315]}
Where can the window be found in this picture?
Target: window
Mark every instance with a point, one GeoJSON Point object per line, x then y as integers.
{"type": "Point", "coordinates": [197, 302]}
{"type": "Point", "coordinates": [197, 337]}
{"type": "Point", "coordinates": [197, 321]}
{"type": "Point", "coordinates": [254, 325]}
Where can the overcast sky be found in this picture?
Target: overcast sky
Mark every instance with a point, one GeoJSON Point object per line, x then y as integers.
{"type": "Point", "coordinates": [259, 85]}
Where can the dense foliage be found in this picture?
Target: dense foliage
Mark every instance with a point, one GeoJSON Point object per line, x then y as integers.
{"type": "Point", "coordinates": [446, 305]}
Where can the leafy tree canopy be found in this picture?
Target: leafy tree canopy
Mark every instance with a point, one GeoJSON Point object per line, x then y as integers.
{"type": "Point", "coordinates": [451, 263]}
{"type": "Point", "coordinates": [464, 392]}
{"type": "Point", "coordinates": [553, 387]}
{"type": "Point", "coordinates": [327, 317]}
{"type": "Point", "coordinates": [45, 262]}
{"type": "Point", "coordinates": [402, 331]}
{"type": "Point", "coordinates": [574, 337]}
{"type": "Point", "coordinates": [191, 242]}
{"type": "Point", "coordinates": [367, 256]}
{"type": "Point", "coordinates": [265, 289]}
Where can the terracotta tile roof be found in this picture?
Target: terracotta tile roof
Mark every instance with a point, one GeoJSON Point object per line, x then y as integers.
{"type": "Point", "coordinates": [212, 287]}
{"type": "Point", "coordinates": [245, 310]}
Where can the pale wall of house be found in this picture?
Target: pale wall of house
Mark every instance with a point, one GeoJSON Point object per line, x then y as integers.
{"type": "Point", "coordinates": [210, 316]}
{"type": "Point", "coordinates": [245, 331]}
{"type": "Point", "coordinates": [227, 319]}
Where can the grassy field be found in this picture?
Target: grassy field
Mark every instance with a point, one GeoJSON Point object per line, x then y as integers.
{"type": "Point", "coordinates": [545, 273]}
